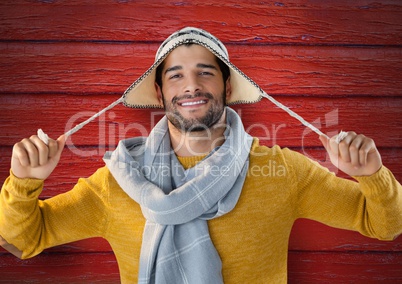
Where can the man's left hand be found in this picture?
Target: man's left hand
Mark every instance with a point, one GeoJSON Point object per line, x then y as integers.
{"type": "Point", "coordinates": [355, 155]}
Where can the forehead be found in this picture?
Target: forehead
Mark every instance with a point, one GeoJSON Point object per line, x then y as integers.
{"type": "Point", "coordinates": [189, 54]}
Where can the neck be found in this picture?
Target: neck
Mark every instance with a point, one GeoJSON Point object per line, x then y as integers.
{"type": "Point", "coordinates": [199, 143]}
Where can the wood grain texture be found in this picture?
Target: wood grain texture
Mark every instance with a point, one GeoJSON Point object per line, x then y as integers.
{"type": "Point", "coordinates": [60, 268]}
{"type": "Point", "coordinates": [308, 235]}
{"type": "Point", "coordinates": [364, 267]}
{"type": "Point", "coordinates": [321, 267]}
{"type": "Point", "coordinates": [255, 22]}
{"type": "Point", "coordinates": [111, 68]}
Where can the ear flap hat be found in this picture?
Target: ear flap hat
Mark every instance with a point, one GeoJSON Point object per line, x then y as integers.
{"type": "Point", "coordinates": [142, 93]}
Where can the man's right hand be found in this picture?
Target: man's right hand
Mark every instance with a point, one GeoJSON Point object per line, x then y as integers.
{"type": "Point", "coordinates": [32, 158]}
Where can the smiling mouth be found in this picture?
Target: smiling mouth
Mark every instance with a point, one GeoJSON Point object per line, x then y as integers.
{"type": "Point", "coordinates": [194, 103]}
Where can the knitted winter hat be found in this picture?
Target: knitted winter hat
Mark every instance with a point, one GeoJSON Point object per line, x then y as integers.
{"type": "Point", "coordinates": [142, 93]}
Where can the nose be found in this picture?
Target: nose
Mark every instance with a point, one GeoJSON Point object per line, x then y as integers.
{"type": "Point", "coordinates": [192, 85]}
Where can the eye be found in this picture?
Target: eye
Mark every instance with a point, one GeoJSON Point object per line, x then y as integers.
{"type": "Point", "coordinates": [206, 73]}
{"type": "Point", "coordinates": [174, 76]}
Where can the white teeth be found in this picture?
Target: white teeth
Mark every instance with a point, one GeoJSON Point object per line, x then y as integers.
{"type": "Point", "coordinates": [193, 103]}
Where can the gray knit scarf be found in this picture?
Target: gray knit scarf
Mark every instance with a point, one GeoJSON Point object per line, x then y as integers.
{"type": "Point", "coordinates": [177, 203]}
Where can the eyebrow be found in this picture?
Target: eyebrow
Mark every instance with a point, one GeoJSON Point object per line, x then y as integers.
{"type": "Point", "coordinates": [210, 66]}
{"type": "Point", "coordinates": [173, 68]}
{"type": "Point", "coordinates": [199, 65]}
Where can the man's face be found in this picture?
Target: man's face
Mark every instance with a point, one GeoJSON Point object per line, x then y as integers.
{"type": "Point", "coordinates": [193, 91]}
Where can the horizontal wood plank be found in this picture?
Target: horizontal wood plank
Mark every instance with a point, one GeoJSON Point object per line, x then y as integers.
{"type": "Point", "coordinates": [368, 268]}
{"type": "Point", "coordinates": [111, 68]}
{"type": "Point", "coordinates": [304, 267]}
{"type": "Point", "coordinates": [60, 268]}
{"type": "Point", "coordinates": [255, 22]}
{"type": "Point", "coordinates": [376, 117]}
{"type": "Point", "coordinates": [308, 235]}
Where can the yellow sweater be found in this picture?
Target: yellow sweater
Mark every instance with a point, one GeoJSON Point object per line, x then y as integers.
{"type": "Point", "coordinates": [252, 239]}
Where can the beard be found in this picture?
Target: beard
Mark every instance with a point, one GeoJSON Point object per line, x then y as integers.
{"type": "Point", "coordinates": [211, 117]}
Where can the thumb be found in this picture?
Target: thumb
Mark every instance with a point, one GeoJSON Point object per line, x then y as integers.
{"type": "Point", "coordinates": [325, 141]}
{"type": "Point", "coordinates": [61, 142]}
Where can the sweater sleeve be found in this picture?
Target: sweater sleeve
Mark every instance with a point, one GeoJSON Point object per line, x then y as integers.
{"type": "Point", "coordinates": [32, 225]}
{"type": "Point", "coordinates": [371, 205]}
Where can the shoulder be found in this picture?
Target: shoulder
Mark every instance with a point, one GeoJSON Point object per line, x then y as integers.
{"type": "Point", "coordinates": [280, 162]}
{"type": "Point", "coordinates": [102, 178]}
{"type": "Point", "coordinates": [267, 162]}
{"type": "Point", "coordinates": [285, 156]}
{"type": "Point", "coordinates": [260, 153]}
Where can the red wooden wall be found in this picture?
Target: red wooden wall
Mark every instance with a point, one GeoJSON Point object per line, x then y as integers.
{"type": "Point", "coordinates": [337, 63]}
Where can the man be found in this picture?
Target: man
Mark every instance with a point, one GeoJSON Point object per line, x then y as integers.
{"type": "Point", "coordinates": [192, 203]}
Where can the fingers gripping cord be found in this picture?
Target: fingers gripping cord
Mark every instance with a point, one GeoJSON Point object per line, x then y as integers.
{"type": "Point", "coordinates": [45, 138]}
{"type": "Point", "coordinates": [340, 136]}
